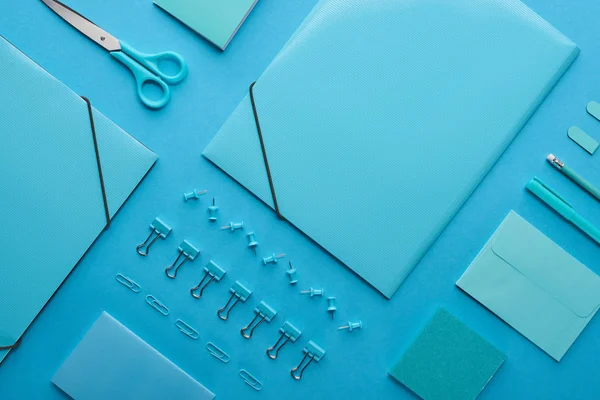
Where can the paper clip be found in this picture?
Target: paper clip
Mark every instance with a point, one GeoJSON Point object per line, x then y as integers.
{"type": "Point", "coordinates": [187, 330]}
{"type": "Point", "coordinates": [313, 352]}
{"type": "Point", "coordinates": [250, 380]}
{"type": "Point", "coordinates": [240, 293]}
{"type": "Point", "coordinates": [211, 270]}
{"type": "Point", "coordinates": [217, 353]}
{"type": "Point", "coordinates": [157, 305]}
{"type": "Point", "coordinates": [289, 332]}
{"type": "Point", "coordinates": [128, 283]}
{"type": "Point", "coordinates": [262, 311]}
{"type": "Point", "coordinates": [186, 250]}
{"type": "Point", "coordinates": [158, 228]}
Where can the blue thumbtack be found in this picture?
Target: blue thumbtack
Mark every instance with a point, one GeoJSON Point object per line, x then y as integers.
{"type": "Point", "coordinates": [331, 306]}
{"type": "Point", "coordinates": [212, 212]}
{"type": "Point", "coordinates": [313, 292]}
{"type": "Point", "coordinates": [241, 293]}
{"type": "Point", "coordinates": [273, 259]}
{"type": "Point", "coordinates": [291, 273]}
{"type": "Point", "coordinates": [351, 326]}
{"type": "Point", "coordinates": [234, 226]}
{"type": "Point", "coordinates": [187, 250]}
{"type": "Point", "coordinates": [252, 243]}
{"type": "Point", "coordinates": [313, 352]}
{"type": "Point", "coordinates": [195, 195]}
{"type": "Point", "coordinates": [288, 332]}
{"type": "Point", "coordinates": [158, 228]}
{"type": "Point", "coordinates": [262, 311]}
{"type": "Point", "coordinates": [211, 270]}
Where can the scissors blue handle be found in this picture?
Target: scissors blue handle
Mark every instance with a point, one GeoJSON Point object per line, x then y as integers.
{"type": "Point", "coordinates": [146, 69]}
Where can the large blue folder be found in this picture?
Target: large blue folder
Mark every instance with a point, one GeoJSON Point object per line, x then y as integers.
{"type": "Point", "coordinates": [51, 202]}
{"type": "Point", "coordinates": [380, 118]}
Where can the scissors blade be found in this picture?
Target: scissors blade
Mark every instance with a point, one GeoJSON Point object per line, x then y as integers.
{"type": "Point", "coordinates": [84, 25]}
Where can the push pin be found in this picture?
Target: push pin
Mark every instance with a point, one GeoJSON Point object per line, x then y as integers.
{"type": "Point", "coordinates": [313, 352]}
{"type": "Point", "coordinates": [351, 326]}
{"type": "Point", "coordinates": [252, 243]}
{"type": "Point", "coordinates": [212, 272]}
{"type": "Point", "coordinates": [291, 273]}
{"type": "Point", "coordinates": [234, 226]}
{"type": "Point", "coordinates": [331, 308]}
{"type": "Point", "coordinates": [313, 292]}
{"type": "Point", "coordinates": [195, 195]}
{"type": "Point", "coordinates": [186, 250]}
{"type": "Point", "coordinates": [240, 293]}
{"type": "Point", "coordinates": [262, 311]}
{"type": "Point", "coordinates": [288, 332]}
{"type": "Point", "coordinates": [158, 228]}
{"type": "Point", "coordinates": [212, 212]}
{"type": "Point", "coordinates": [273, 259]}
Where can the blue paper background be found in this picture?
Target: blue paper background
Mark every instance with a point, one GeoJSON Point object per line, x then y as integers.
{"type": "Point", "coordinates": [356, 363]}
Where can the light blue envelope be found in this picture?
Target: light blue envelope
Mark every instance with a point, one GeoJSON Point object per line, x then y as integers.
{"type": "Point", "coordinates": [111, 362]}
{"type": "Point", "coordinates": [533, 285]}
{"type": "Point", "coordinates": [51, 202]}
{"type": "Point", "coordinates": [380, 118]}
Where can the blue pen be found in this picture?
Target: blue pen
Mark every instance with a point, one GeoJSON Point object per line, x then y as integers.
{"type": "Point", "coordinates": [561, 206]}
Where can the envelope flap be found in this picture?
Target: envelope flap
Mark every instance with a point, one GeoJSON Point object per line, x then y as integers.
{"type": "Point", "coordinates": [547, 265]}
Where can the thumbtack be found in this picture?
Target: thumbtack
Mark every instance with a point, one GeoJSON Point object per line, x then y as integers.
{"type": "Point", "coordinates": [186, 250]}
{"type": "Point", "coordinates": [195, 195]}
{"type": "Point", "coordinates": [158, 228]}
{"type": "Point", "coordinates": [273, 259]}
{"type": "Point", "coordinates": [240, 293]}
{"type": "Point", "coordinates": [331, 306]}
{"type": "Point", "coordinates": [212, 212]}
{"type": "Point", "coordinates": [291, 273]}
{"type": "Point", "coordinates": [234, 226]}
{"type": "Point", "coordinates": [313, 292]}
{"type": "Point", "coordinates": [252, 243]}
{"type": "Point", "coordinates": [313, 352]}
{"type": "Point", "coordinates": [262, 311]}
{"type": "Point", "coordinates": [212, 272]}
{"type": "Point", "coordinates": [351, 326]}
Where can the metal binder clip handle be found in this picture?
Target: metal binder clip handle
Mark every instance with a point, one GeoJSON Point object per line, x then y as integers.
{"type": "Point", "coordinates": [201, 286]}
{"type": "Point", "coordinates": [146, 244]}
{"type": "Point", "coordinates": [248, 327]}
{"type": "Point", "coordinates": [276, 346]}
{"type": "Point", "coordinates": [226, 307]}
{"type": "Point", "coordinates": [175, 267]}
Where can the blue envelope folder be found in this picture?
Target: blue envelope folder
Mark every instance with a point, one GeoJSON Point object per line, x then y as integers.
{"type": "Point", "coordinates": [380, 118]}
{"type": "Point", "coordinates": [51, 198]}
{"type": "Point", "coordinates": [533, 285]}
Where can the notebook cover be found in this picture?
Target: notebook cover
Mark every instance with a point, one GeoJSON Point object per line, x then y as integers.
{"type": "Point", "coordinates": [380, 119]}
{"type": "Point", "coordinates": [448, 361]}
{"type": "Point", "coordinates": [217, 21]}
{"type": "Point", "coordinates": [51, 202]}
{"type": "Point", "coordinates": [111, 362]}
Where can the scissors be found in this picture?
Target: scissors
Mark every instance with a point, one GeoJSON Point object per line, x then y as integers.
{"type": "Point", "coordinates": [145, 67]}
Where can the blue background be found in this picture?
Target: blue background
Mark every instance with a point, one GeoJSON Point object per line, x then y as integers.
{"type": "Point", "coordinates": [356, 363]}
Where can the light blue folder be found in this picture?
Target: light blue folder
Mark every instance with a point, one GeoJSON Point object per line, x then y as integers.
{"type": "Point", "coordinates": [380, 118]}
{"type": "Point", "coordinates": [535, 286]}
{"type": "Point", "coordinates": [51, 199]}
{"type": "Point", "coordinates": [111, 362]}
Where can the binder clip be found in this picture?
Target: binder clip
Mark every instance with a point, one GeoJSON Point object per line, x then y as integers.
{"type": "Point", "coordinates": [186, 250]}
{"type": "Point", "coordinates": [272, 259]}
{"type": "Point", "coordinates": [240, 293]}
{"type": "Point", "coordinates": [262, 311]}
{"type": "Point", "coordinates": [212, 212]}
{"type": "Point", "coordinates": [289, 332]}
{"type": "Point", "coordinates": [313, 352]}
{"type": "Point", "coordinates": [211, 270]}
{"type": "Point", "coordinates": [194, 195]}
{"type": "Point", "coordinates": [158, 228]}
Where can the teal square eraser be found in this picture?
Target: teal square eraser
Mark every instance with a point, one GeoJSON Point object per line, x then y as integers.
{"type": "Point", "coordinates": [448, 361]}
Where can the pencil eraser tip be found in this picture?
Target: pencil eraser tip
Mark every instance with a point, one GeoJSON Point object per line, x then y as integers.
{"type": "Point", "coordinates": [550, 157]}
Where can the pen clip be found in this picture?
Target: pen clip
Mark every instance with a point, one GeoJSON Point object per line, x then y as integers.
{"type": "Point", "coordinates": [552, 191]}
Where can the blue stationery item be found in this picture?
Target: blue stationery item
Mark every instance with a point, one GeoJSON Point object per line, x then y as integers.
{"type": "Point", "coordinates": [158, 230]}
{"type": "Point", "coordinates": [593, 108]}
{"type": "Point", "coordinates": [212, 272]}
{"type": "Point", "coordinates": [186, 250]}
{"type": "Point", "coordinates": [111, 362]}
{"type": "Point", "coordinates": [264, 312]}
{"type": "Point", "coordinates": [533, 285]}
{"type": "Point", "coordinates": [239, 292]}
{"type": "Point", "coordinates": [344, 113]}
{"type": "Point", "coordinates": [312, 352]}
{"type": "Point", "coordinates": [145, 68]}
{"type": "Point", "coordinates": [288, 333]}
{"type": "Point", "coordinates": [563, 207]}
{"type": "Point", "coordinates": [217, 21]}
{"type": "Point", "coordinates": [584, 140]}
{"type": "Point", "coordinates": [48, 144]}
{"type": "Point", "coordinates": [574, 176]}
